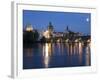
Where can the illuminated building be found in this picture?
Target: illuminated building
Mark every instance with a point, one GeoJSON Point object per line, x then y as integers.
{"type": "Point", "coordinates": [49, 32]}
{"type": "Point", "coordinates": [29, 28]}
{"type": "Point", "coordinates": [46, 34]}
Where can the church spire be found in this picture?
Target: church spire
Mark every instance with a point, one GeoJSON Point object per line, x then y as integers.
{"type": "Point", "coordinates": [67, 28]}
{"type": "Point", "coordinates": [50, 26]}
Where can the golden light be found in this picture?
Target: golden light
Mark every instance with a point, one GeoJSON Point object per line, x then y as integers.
{"type": "Point", "coordinates": [76, 40]}
{"type": "Point", "coordinates": [29, 28]}
{"type": "Point", "coordinates": [80, 48]}
{"type": "Point", "coordinates": [80, 53]}
{"type": "Point", "coordinates": [67, 40]}
{"type": "Point", "coordinates": [89, 40]}
{"type": "Point", "coordinates": [58, 40]}
{"type": "Point", "coordinates": [29, 52]}
{"type": "Point", "coordinates": [47, 54]}
{"type": "Point", "coordinates": [71, 49]}
{"type": "Point", "coordinates": [46, 34]}
{"type": "Point", "coordinates": [87, 55]}
{"type": "Point", "coordinates": [46, 50]}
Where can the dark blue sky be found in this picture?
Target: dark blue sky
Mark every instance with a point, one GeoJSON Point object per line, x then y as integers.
{"type": "Point", "coordinates": [78, 22]}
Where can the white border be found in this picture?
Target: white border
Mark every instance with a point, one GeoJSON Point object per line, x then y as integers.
{"type": "Point", "coordinates": [17, 29]}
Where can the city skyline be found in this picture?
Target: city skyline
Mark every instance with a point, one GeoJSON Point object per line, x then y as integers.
{"type": "Point", "coordinates": [77, 22]}
{"type": "Point", "coordinates": [54, 39]}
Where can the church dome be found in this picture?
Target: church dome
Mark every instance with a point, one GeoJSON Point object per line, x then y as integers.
{"type": "Point", "coordinates": [29, 28]}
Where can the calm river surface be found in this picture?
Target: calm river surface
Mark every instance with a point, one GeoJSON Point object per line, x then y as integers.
{"type": "Point", "coordinates": [53, 55]}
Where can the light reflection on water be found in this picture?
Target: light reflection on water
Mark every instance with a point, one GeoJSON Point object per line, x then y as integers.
{"type": "Point", "coordinates": [49, 55]}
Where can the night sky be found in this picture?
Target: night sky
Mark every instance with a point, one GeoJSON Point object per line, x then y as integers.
{"type": "Point", "coordinates": [77, 22]}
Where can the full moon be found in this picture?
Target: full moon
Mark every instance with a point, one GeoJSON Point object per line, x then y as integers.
{"type": "Point", "coordinates": [87, 19]}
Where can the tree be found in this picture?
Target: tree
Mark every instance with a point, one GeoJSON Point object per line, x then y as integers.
{"type": "Point", "coordinates": [35, 35]}
{"type": "Point", "coordinates": [28, 37]}
{"type": "Point", "coordinates": [43, 39]}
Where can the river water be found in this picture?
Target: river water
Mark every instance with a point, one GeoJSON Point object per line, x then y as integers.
{"type": "Point", "coordinates": [54, 55]}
